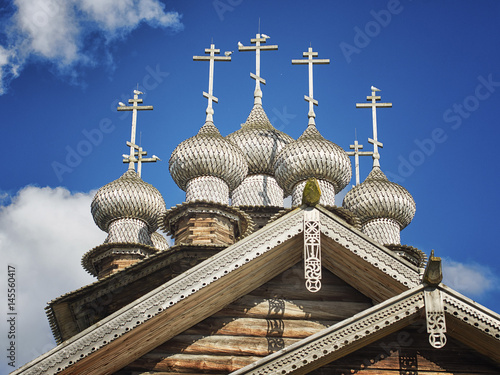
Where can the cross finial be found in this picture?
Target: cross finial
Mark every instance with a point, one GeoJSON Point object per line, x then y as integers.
{"type": "Point", "coordinates": [212, 51]}
{"type": "Point", "coordinates": [374, 105]}
{"type": "Point", "coordinates": [259, 38]}
{"type": "Point", "coordinates": [356, 153]}
{"type": "Point", "coordinates": [137, 157]}
{"type": "Point", "coordinates": [134, 108]}
{"type": "Point", "coordinates": [310, 61]}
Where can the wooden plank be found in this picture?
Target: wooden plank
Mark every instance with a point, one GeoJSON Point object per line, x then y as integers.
{"type": "Point", "coordinates": [193, 363]}
{"type": "Point", "coordinates": [256, 307]}
{"type": "Point", "coordinates": [220, 345]}
{"type": "Point", "coordinates": [328, 292]}
{"type": "Point", "coordinates": [257, 327]}
{"type": "Point", "coordinates": [364, 277]}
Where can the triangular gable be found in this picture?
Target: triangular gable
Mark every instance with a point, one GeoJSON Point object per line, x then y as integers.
{"type": "Point", "coordinates": [269, 318]}
{"type": "Point", "coordinates": [191, 297]}
{"type": "Point", "coordinates": [467, 321]}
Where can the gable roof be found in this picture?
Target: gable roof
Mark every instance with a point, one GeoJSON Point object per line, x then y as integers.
{"type": "Point", "coordinates": [206, 288]}
{"type": "Point", "coordinates": [467, 321]}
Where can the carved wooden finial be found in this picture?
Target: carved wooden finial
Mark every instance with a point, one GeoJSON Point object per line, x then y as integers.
{"type": "Point", "coordinates": [433, 274]}
{"type": "Point", "coordinates": [312, 193]}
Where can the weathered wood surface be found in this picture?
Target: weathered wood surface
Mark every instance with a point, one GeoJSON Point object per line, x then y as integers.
{"type": "Point", "coordinates": [257, 307]}
{"type": "Point", "coordinates": [269, 318]}
{"type": "Point", "coordinates": [199, 364]}
{"type": "Point", "coordinates": [369, 281]}
{"type": "Point", "coordinates": [409, 352]}
{"type": "Point", "coordinates": [203, 228]}
{"type": "Point", "coordinates": [257, 327]}
{"type": "Point", "coordinates": [220, 345]}
{"type": "Point", "coordinates": [162, 327]}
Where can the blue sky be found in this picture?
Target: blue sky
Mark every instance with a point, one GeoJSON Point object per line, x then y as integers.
{"type": "Point", "coordinates": [65, 65]}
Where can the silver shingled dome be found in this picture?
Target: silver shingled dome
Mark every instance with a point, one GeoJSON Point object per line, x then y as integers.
{"type": "Point", "coordinates": [127, 197]}
{"type": "Point", "coordinates": [207, 154]}
{"type": "Point", "coordinates": [377, 197]}
{"type": "Point", "coordinates": [311, 155]}
{"type": "Point", "coordinates": [259, 141]}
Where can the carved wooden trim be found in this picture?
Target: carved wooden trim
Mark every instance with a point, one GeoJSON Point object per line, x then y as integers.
{"type": "Point", "coordinates": [434, 314]}
{"type": "Point", "coordinates": [471, 312]}
{"type": "Point", "coordinates": [312, 250]}
{"type": "Point", "coordinates": [166, 296]}
{"type": "Point", "coordinates": [379, 257]}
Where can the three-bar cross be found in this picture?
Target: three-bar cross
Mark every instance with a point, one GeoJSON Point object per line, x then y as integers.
{"type": "Point", "coordinates": [257, 48]}
{"type": "Point", "coordinates": [310, 61]}
{"type": "Point", "coordinates": [212, 51]}
{"type": "Point", "coordinates": [138, 157]}
{"type": "Point", "coordinates": [134, 108]}
{"type": "Point", "coordinates": [374, 105]}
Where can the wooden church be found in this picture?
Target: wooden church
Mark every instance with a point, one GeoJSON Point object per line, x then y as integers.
{"type": "Point", "coordinates": [250, 287]}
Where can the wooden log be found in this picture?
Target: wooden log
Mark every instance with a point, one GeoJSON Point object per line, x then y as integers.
{"type": "Point", "coordinates": [258, 327]}
{"type": "Point", "coordinates": [328, 292]}
{"type": "Point", "coordinates": [192, 363]}
{"type": "Point", "coordinates": [223, 345]}
{"type": "Point", "coordinates": [256, 307]}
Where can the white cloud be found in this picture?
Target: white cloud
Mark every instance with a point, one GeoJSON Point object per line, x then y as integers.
{"type": "Point", "coordinates": [471, 279]}
{"type": "Point", "coordinates": [43, 233]}
{"type": "Point", "coordinates": [112, 15]}
{"type": "Point", "coordinates": [67, 33]}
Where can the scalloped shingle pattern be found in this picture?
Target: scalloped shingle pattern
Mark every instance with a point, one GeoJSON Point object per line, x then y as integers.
{"type": "Point", "coordinates": [127, 197]}
{"type": "Point", "coordinates": [384, 231]}
{"type": "Point", "coordinates": [259, 141]}
{"type": "Point", "coordinates": [207, 188]}
{"type": "Point", "coordinates": [311, 155]}
{"type": "Point", "coordinates": [159, 241]}
{"type": "Point", "coordinates": [207, 154]}
{"type": "Point", "coordinates": [258, 190]}
{"type": "Point", "coordinates": [128, 230]}
{"type": "Point", "coordinates": [377, 197]}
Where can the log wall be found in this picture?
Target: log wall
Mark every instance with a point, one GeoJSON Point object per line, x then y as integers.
{"type": "Point", "coordinates": [273, 316]}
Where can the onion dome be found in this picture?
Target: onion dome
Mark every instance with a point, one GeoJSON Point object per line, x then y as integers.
{"type": "Point", "coordinates": [259, 141]}
{"type": "Point", "coordinates": [159, 241]}
{"type": "Point", "coordinates": [311, 155]}
{"type": "Point", "coordinates": [377, 197]}
{"type": "Point", "coordinates": [384, 207]}
{"type": "Point", "coordinates": [127, 197]}
{"type": "Point", "coordinates": [207, 154]}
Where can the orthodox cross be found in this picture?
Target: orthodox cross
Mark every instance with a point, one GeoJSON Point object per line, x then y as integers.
{"type": "Point", "coordinates": [374, 105]}
{"type": "Point", "coordinates": [212, 51]}
{"type": "Point", "coordinates": [259, 38]}
{"type": "Point", "coordinates": [310, 61]}
{"type": "Point", "coordinates": [134, 108]}
{"type": "Point", "coordinates": [138, 157]}
{"type": "Point", "coordinates": [356, 153]}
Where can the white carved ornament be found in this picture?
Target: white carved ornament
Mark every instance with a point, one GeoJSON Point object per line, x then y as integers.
{"type": "Point", "coordinates": [312, 250]}
{"type": "Point", "coordinates": [434, 313]}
